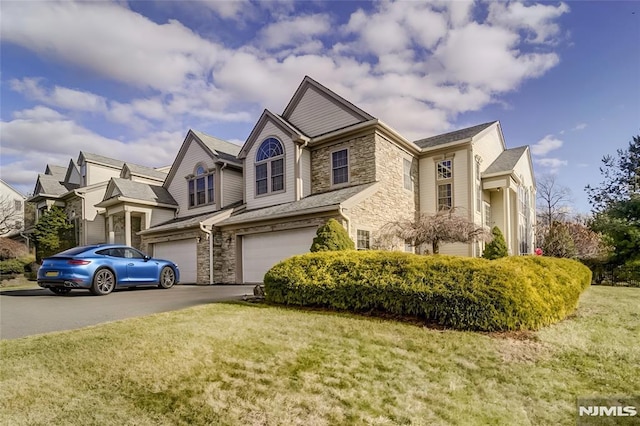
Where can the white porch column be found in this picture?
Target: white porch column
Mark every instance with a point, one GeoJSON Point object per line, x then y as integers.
{"type": "Point", "coordinates": [127, 227]}
{"type": "Point", "coordinates": [507, 218]}
{"type": "Point", "coordinates": [112, 234]}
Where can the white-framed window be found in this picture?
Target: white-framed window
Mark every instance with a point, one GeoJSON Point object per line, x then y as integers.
{"type": "Point", "coordinates": [201, 187]}
{"type": "Point", "coordinates": [364, 239]}
{"type": "Point", "coordinates": [340, 167]}
{"type": "Point", "coordinates": [445, 169]}
{"type": "Point", "coordinates": [445, 196]}
{"type": "Point", "coordinates": [408, 246]}
{"type": "Point", "coordinates": [487, 215]}
{"type": "Point", "coordinates": [269, 167]}
{"type": "Point", "coordinates": [17, 205]}
{"type": "Point", "coordinates": [406, 170]}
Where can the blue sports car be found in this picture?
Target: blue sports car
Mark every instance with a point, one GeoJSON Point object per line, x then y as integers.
{"type": "Point", "coordinates": [102, 268]}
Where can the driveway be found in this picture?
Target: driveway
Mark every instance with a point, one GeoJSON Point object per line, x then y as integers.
{"type": "Point", "coordinates": [35, 311]}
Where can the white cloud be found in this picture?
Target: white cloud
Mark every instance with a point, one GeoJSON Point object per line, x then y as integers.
{"type": "Point", "coordinates": [294, 31]}
{"type": "Point", "coordinates": [228, 9]}
{"type": "Point", "coordinates": [140, 52]}
{"type": "Point", "coordinates": [551, 163]}
{"type": "Point", "coordinates": [62, 97]}
{"type": "Point", "coordinates": [580, 126]}
{"type": "Point", "coordinates": [537, 20]}
{"type": "Point", "coordinates": [546, 145]}
{"type": "Point", "coordinates": [38, 113]}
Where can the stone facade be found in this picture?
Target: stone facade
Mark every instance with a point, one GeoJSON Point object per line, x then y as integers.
{"type": "Point", "coordinates": [362, 162]}
{"type": "Point", "coordinates": [392, 201]}
{"type": "Point", "coordinates": [73, 211]}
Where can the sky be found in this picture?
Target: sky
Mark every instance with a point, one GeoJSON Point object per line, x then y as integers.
{"type": "Point", "coordinates": [128, 79]}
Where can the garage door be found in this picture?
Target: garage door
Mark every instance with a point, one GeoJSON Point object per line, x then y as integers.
{"type": "Point", "coordinates": [182, 252]}
{"type": "Point", "coordinates": [261, 251]}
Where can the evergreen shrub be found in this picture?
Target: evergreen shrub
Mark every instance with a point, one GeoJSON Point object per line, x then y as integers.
{"type": "Point", "coordinates": [332, 237]}
{"type": "Point", "coordinates": [513, 293]}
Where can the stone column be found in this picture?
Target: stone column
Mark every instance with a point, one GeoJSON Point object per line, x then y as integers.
{"type": "Point", "coordinates": [127, 227]}
{"type": "Point", "coordinates": [112, 234]}
{"type": "Point", "coordinates": [507, 217]}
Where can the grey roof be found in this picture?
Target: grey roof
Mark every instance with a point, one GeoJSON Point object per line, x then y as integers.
{"type": "Point", "coordinates": [305, 205]}
{"type": "Point", "coordinates": [186, 221]}
{"type": "Point", "coordinates": [146, 171]}
{"type": "Point", "coordinates": [506, 161]}
{"type": "Point", "coordinates": [454, 136]}
{"type": "Point", "coordinates": [57, 171]}
{"type": "Point", "coordinates": [101, 159]}
{"type": "Point", "coordinates": [218, 145]}
{"type": "Point", "coordinates": [50, 185]}
{"type": "Point", "coordinates": [142, 191]}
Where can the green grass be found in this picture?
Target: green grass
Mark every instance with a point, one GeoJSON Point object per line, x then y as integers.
{"type": "Point", "coordinates": [241, 364]}
{"type": "Point", "coordinates": [19, 282]}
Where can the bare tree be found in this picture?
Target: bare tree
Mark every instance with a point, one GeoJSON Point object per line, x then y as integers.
{"type": "Point", "coordinates": [554, 201]}
{"type": "Point", "coordinates": [442, 227]}
{"type": "Point", "coordinates": [10, 216]}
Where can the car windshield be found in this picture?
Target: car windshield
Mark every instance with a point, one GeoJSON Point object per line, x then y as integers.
{"type": "Point", "coordinates": [74, 251]}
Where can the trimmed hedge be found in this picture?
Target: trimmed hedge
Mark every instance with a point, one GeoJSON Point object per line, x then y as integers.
{"type": "Point", "coordinates": [512, 293]}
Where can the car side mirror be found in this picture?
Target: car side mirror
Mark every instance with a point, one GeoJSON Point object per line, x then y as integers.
{"type": "Point", "coordinates": [146, 258]}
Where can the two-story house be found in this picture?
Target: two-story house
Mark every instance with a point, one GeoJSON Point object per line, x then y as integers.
{"type": "Point", "coordinates": [205, 184]}
{"type": "Point", "coordinates": [80, 188]}
{"type": "Point", "coordinates": [11, 211]}
{"type": "Point", "coordinates": [324, 157]}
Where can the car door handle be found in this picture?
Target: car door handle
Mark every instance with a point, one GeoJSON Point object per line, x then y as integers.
{"type": "Point", "coordinates": [129, 264]}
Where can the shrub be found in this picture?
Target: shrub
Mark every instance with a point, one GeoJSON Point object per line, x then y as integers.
{"type": "Point", "coordinates": [10, 249]}
{"type": "Point", "coordinates": [12, 267]}
{"type": "Point", "coordinates": [332, 237]}
{"type": "Point", "coordinates": [497, 248]}
{"type": "Point", "coordinates": [465, 293]}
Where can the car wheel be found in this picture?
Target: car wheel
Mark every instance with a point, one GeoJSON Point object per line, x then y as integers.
{"type": "Point", "coordinates": [167, 278]}
{"type": "Point", "coordinates": [60, 290]}
{"type": "Point", "coordinates": [103, 282]}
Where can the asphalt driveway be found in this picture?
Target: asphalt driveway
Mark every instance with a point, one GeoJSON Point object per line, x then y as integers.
{"type": "Point", "coordinates": [35, 311]}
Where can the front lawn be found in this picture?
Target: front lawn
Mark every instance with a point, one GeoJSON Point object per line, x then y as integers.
{"type": "Point", "coordinates": [239, 364]}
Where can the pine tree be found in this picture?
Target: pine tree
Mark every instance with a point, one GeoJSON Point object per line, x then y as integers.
{"type": "Point", "coordinates": [51, 233]}
{"type": "Point", "coordinates": [332, 237]}
{"type": "Point", "coordinates": [497, 247]}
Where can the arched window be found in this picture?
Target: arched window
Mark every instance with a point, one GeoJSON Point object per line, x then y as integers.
{"type": "Point", "coordinates": [269, 167]}
{"type": "Point", "coordinates": [201, 187]}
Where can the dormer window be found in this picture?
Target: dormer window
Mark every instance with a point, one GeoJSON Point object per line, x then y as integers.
{"type": "Point", "coordinates": [201, 187]}
{"type": "Point", "coordinates": [270, 167]}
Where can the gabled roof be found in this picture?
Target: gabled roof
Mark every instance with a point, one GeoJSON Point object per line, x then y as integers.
{"type": "Point", "coordinates": [455, 136]}
{"type": "Point", "coordinates": [325, 201]}
{"type": "Point", "coordinates": [218, 149]}
{"type": "Point", "coordinates": [506, 161]}
{"type": "Point", "coordinates": [57, 171]}
{"type": "Point", "coordinates": [95, 158]}
{"type": "Point", "coordinates": [144, 171]}
{"type": "Point", "coordinates": [48, 185]}
{"type": "Point", "coordinates": [124, 188]}
{"type": "Point", "coordinates": [268, 116]}
{"type": "Point", "coordinates": [308, 82]}
{"type": "Point", "coordinates": [71, 168]}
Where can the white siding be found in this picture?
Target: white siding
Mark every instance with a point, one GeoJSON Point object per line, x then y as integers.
{"type": "Point", "coordinates": [429, 184]}
{"type": "Point", "coordinates": [488, 147]}
{"type": "Point", "coordinates": [232, 186]}
{"type": "Point", "coordinates": [178, 186]}
{"type": "Point", "coordinates": [253, 202]}
{"type": "Point", "coordinates": [306, 172]}
{"type": "Point", "coordinates": [456, 249]}
{"type": "Point", "coordinates": [316, 114]}
{"type": "Point", "coordinates": [159, 216]}
{"type": "Point", "coordinates": [97, 173]}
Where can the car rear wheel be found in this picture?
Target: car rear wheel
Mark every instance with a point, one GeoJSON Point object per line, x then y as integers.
{"type": "Point", "coordinates": [167, 278]}
{"type": "Point", "coordinates": [103, 282]}
{"type": "Point", "coordinates": [60, 290]}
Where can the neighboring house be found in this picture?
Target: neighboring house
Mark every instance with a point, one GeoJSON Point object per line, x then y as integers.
{"type": "Point", "coordinates": [11, 211]}
{"type": "Point", "coordinates": [326, 158]}
{"type": "Point", "coordinates": [80, 189]}
{"type": "Point", "coordinates": [205, 185]}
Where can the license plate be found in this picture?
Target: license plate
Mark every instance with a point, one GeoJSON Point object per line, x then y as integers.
{"type": "Point", "coordinates": [51, 273]}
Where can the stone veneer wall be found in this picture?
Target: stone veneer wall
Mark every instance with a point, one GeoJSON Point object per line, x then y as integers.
{"type": "Point", "coordinates": [224, 249]}
{"type": "Point", "coordinates": [74, 207]}
{"type": "Point", "coordinates": [392, 201]}
{"type": "Point", "coordinates": [362, 163]}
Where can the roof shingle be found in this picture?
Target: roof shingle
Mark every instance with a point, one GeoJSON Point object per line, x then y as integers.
{"type": "Point", "coordinates": [454, 136]}
{"type": "Point", "coordinates": [506, 161]}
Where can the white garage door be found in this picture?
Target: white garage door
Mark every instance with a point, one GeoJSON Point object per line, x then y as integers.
{"type": "Point", "coordinates": [182, 252]}
{"type": "Point", "coordinates": [261, 251]}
